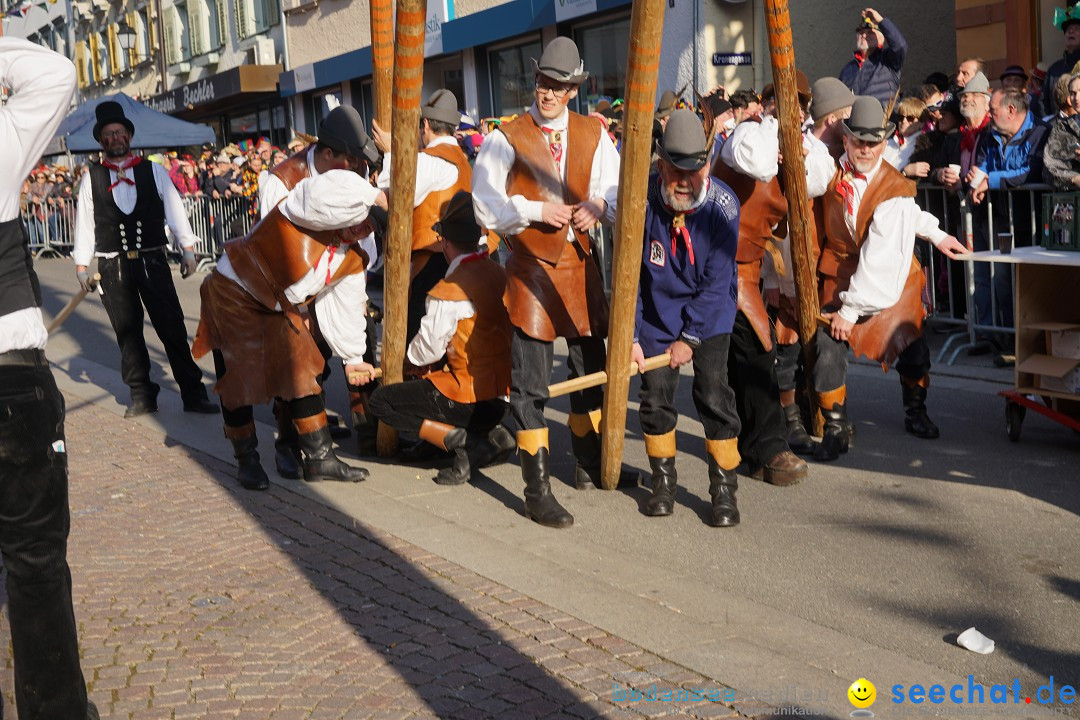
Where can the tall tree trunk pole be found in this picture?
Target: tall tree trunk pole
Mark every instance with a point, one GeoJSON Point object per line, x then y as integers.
{"type": "Point", "coordinates": [643, 64]}
{"type": "Point", "coordinates": [782, 52]}
{"type": "Point", "coordinates": [382, 57]}
{"type": "Point", "coordinates": [405, 137]}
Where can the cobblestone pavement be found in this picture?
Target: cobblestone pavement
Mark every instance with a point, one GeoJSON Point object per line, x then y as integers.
{"type": "Point", "coordinates": [196, 599]}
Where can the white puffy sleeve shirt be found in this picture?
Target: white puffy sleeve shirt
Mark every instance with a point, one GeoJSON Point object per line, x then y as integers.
{"type": "Point", "coordinates": [507, 215]}
{"type": "Point", "coordinates": [885, 256]}
{"type": "Point", "coordinates": [432, 174]}
{"type": "Point", "coordinates": [441, 318]}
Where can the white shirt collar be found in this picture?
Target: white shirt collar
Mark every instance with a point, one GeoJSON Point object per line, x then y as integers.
{"type": "Point", "coordinates": [442, 140]}
{"type": "Point", "coordinates": [312, 172]}
{"type": "Point", "coordinates": [558, 123]}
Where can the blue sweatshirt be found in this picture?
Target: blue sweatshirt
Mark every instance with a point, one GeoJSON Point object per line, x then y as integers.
{"type": "Point", "coordinates": [677, 299]}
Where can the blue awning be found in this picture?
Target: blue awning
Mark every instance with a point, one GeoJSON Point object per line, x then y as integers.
{"type": "Point", "coordinates": [501, 22]}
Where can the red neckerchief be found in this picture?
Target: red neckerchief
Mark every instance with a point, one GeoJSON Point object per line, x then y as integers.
{"type": "Point", "coordinates": [121, 177]}
{"type": "Point", "coordinates": [679, 231]}
{"type": "Point", "coordinates": [900, 139]}
{"type": "Point", "coordinates": [968, 134]}
{"type": "Point", "coordinates": [860, 58]}
{"type": "Point", "coordinates": [554, 138]}
{"type": "Point", "coordinates": [473, 257]}
{"type": "Point", "coordinates": [846, 187]}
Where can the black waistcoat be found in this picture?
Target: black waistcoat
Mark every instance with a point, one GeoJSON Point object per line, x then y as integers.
{"type": "Point", "coordinates": [18, 282]}
{"type": "Point", "coordinates": [144, 228]}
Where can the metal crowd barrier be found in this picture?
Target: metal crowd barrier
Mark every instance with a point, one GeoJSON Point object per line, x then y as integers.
{"type": "Point", "coordinates": [1016, 213]}
{"type": "Point", "coordinates": [51, 227]}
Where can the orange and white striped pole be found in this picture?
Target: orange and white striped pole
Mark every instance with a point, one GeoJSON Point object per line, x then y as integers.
{"type": "Point", "coordinates": [405, 139]}
{"type": "Point", "coordinates": [382, 57]}
{"type": "Point", "coordinates": [643, 65]}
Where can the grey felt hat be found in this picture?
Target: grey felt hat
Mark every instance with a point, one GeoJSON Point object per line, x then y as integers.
{"type": "Point", "coordinates": [683, 144]}
{"type": "Point", "coordinates": [867, 121]}
{"type": "Point", "coordinates": [561, 62]}
{"type": "Point", "coordinates": [977, 84]}
{"type": "Point", "coordinates": [442, 107]}
{"type": "Point", "coordinates": [343, 130]}
{"type": "Point", "coordinates": [668, 102]}
{"type": "Point", "coordinates": [829, 95]}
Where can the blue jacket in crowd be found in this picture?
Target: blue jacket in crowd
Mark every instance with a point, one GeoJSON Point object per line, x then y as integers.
{"type": "Point", "coordinates": [879, 75]}
{"type": "Point", "coordinates": [1018, 162]}
{"type": "Point", "coordinates": [677, 299]}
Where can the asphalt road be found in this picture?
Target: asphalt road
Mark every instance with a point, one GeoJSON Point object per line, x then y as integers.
{"type": "Point", "coordinates": [869, 569]}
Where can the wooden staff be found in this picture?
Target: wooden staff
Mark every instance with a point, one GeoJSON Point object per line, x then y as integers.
{"type": "Point", "coordinates": [599, 378]}
{"type": "Point", "coordinates": [74, 303]}
{"type": "Point", "coordinates": [643, 64]}
{"type": "Point", "coordinates": [382, 57]}
{"type": "Point", "coordinates": [782, 53]}
{"type": "Point", "coordinates": [408, 83]}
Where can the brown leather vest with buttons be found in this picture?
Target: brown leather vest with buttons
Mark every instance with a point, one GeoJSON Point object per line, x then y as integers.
{"type": "Point", "coordinates": [277, 253]}
{"type": "Point", "coordinates": [535, 176]}
{"type": "Point", "coordinates": [428, 212]}
{"type": "Point", "coordinates": [478, 359]}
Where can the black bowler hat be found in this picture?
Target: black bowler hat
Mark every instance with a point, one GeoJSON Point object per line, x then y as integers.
{"type": "Point", "coordinates": [342, 130]}
{"type": "Point", "coordinates": [457, 224]}
{"type": "Point", "coordinates": [110, 112]}
{"type": "Point", "coordinates": [684, 144]}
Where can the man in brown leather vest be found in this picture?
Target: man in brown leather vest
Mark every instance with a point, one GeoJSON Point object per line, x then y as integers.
{"type": "Point", "coordinates": [458, 404]}
{"type": "Point", "coordinates": [343, 144]}
{"type": "Point", "coordinates": [302, 254]}
{"type": "Point", "coordinates": [544, 179]}
{"type": "Point", "coordinates": [752, 356]}
{"type": "Point", "coordinates": [442, 169]}
{"type": "Point", "coordinates": [871, 222]}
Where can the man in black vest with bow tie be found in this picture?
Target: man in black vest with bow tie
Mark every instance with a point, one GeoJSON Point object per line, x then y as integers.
{"type": "Point", "coordinates": [123, 210]}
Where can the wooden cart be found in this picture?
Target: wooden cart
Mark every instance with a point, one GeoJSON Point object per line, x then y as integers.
{"type": "Point", "coordinates": [1047, 286]}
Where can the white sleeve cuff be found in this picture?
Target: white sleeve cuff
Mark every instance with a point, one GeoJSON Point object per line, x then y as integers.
{"type": "Point", "coordinates": [849, 313]}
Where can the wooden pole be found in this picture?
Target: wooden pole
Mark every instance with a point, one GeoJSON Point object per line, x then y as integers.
{"type": "Point", "coordinates": [782, 52]}
{"type": "Point", "coordinates": [599, 378]}
{"type": "Point", "coordinates": [643, 64]}
{"type": "Point", "coordinates": [405, 137]}
{"type": "Point", "coordinates": [382, 58]}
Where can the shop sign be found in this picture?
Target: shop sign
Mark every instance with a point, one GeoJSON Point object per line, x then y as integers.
{"type": "Point", "coordinates": [566, 9]}
{"type": "Point", "coordinates": [742, 58]}
{"type": "Point", "coordinates": [437, 15]}
{"type": "Point", "coordinates": [197, 93]}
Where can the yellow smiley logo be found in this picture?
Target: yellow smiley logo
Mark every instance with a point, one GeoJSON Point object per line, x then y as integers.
{"type": "Point", "coordinates": [862, 693]}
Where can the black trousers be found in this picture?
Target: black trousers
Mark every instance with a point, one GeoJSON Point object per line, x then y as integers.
{"type": "Point", "coordinates": [787, 365]}
{"type": "Point", "coordinates": [531, 373]}
{"type": "Point", "coordinates": [128, 286]}
{"type": "Point", "coordinates": [752, 375]}
{"type": "Point", "coordinates": [406, 405]}
{"type": "Point", "coordinates": [428, 277]}
{"type": "Point", "coordinates": [713, 396]}
{"type": "Point", "coordinates": [831, 361]}
{"type": "Point", "coordinates": [34, 525]}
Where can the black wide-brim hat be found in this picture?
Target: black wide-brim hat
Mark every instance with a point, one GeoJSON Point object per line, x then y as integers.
{"type": "Point", "coordinates": [458, 221]}
{"type": "Point", "coordinates": [110, 112]}
{"type": "Point", "coordinates": [867, 121]}
{"type": "Point", "coordinates": [343, 131]}
{"type": "Point", "coordinates": [683, 144]}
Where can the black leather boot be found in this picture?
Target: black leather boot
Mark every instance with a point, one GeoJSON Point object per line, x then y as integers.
{"type": "Point", "coordinates": [722, 487]}
{"type": "Point", "coordinates": [798, 439]}
{"type": "Point", "coordinates": [366, 427]}
{"type": "Point", "coordinates": [494, 448]}
{"type": "Point", "coordinates": [916, 421]}
{"type": "Point", "coordinates": [664, 480]}
{"type": "Point", "coordinates": [836, 437]}
{"type": "Point", "coordinates": [286, 445]}
{"type": "Point", "coordinates": [540, 505]}
{"type": "Point", "coordinates": [588, 450]}
{"type": "Point", "coordinates": [320, 462]}
{"type": "Point", "coordinates": [249, 470]}
{"type": "Point", "coordinates": [452, 439]}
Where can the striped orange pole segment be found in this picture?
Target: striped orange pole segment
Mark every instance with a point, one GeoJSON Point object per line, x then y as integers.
{"type": "Point", "coordinates": [405, 138]}
{"type": "Point", "coordinates": [782, 52]}
{"type": "Point", "coordinates": [643, 65]}
{"type": "Point", "coordinates": [382, 57]}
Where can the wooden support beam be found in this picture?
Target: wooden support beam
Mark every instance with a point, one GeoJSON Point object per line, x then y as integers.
{"type": "Point", "coordinates": [643, 64]}
{"type": "Point", "coordinates": [405, 138]}
{"type": "Point", "coordinates": [382, 58]}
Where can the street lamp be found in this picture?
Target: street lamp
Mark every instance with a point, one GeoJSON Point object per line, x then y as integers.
{"type": "Point", "coordinates": [126, 36]}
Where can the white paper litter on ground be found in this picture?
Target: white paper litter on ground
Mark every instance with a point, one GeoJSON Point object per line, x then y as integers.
{"type": "Point", "coordinates": [975, 641]}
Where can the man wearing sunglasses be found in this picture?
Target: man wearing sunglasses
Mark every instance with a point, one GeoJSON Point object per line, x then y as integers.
{"type": "Point", "coordinates": [545, 179]}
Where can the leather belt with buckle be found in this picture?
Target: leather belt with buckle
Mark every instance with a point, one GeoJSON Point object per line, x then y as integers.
{"type": "Point", "coordinates": [24, 358]}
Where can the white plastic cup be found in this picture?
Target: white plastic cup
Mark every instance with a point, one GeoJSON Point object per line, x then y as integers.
{"type": "Point", "coordinates": [978, 177]}
{"type": "Point", "coordinates": [955, 168]}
